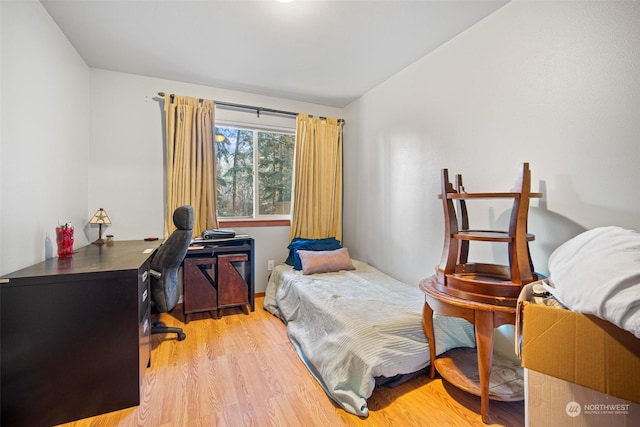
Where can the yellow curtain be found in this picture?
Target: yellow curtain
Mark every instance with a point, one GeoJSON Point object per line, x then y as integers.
{"type": "Point", "coordinates": [190, 160]}
{"type": "Point", "coordinates": [317, 203]}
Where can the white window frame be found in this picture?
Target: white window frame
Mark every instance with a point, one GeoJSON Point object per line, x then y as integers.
{"type": "Point", "coordinates": [255, 128]}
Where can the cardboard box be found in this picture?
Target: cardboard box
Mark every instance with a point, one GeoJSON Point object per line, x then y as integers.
{"type": "Point", "coordinates": [579, 348]}
{"type": "Point", "coordinates": [550, 401]}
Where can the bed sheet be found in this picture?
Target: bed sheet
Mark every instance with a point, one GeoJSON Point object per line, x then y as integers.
{"type": "Point", "coordinates": [352, 327]}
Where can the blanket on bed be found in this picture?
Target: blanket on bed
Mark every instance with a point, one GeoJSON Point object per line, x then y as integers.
{"type": "Point", "coordinates": [352, 327]}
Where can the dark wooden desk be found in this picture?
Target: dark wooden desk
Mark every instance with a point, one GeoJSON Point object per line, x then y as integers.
{"type": "Point", "coordinates": [218, 274]}
{"type": "Point", "coordinates": [75, 334]}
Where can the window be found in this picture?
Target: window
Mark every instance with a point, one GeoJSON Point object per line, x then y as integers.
{"type": "Point", "coordinates": [254, 172]}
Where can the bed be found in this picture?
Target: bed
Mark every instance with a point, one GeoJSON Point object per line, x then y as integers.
{"type": "Point", "coordinates": [359, 328]}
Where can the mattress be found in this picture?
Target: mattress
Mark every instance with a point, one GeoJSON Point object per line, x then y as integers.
{"type": "Point", "coordinates": [353, 328]}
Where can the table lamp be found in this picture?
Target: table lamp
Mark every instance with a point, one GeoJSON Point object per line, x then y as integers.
{"type": "Point", "coordinates": [100, 218]}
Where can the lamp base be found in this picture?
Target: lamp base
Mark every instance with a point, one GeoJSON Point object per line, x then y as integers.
{"type": "Point", "coordinates": [100, 241]}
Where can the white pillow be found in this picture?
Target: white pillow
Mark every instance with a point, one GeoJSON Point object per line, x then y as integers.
{"type": "Point", "coordinates": [598, 272]}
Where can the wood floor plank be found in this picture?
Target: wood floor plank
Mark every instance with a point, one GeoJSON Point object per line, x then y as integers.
{"type": "Point", "coordinates": [241, 370]}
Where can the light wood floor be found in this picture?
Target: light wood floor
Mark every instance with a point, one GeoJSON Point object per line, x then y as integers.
{"type": "Point", "coordinates": [241, 370]}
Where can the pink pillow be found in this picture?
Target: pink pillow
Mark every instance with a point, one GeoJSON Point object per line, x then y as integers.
{"type": "Point", "coordinates": [325, 261]}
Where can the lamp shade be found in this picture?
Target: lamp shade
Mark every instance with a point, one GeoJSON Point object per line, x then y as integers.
{"type": "Point", "coordinates": [100, 217]}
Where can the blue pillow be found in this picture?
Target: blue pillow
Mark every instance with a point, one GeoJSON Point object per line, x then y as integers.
{"type": "Point", "coordinates": [326, 244]}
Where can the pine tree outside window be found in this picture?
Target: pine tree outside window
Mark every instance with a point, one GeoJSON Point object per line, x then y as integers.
{"type": "Point", "coordinates": [254, 172]}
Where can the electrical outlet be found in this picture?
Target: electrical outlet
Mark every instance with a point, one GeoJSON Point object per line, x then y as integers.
{"type": "Point", "coordinates": [270, 265]}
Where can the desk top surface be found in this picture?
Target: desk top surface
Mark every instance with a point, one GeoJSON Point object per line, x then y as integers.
{"type": "Point", "coordinates": [206, 247]}
{"type": "Point", "coordinates": [238, 238]}
{"type": "Point", "coordinates": [112, 256]}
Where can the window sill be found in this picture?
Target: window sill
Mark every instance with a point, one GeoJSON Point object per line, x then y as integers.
{"type": "Point", "coordinates": [254, 222]}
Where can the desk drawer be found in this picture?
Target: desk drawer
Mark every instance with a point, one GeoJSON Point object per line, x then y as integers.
{"type": "Point", "coordinates": [233, 289]}
{"type": "Point", "coordinates": [144, 293]}
{"type": "Point", "coordinates": [145, 342]}
{"type": "Point", "coordinates": [200, 293]}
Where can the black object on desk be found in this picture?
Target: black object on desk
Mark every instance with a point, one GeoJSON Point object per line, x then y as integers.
{"type": "Point", "coordinates": [218, 233]}
{"type": "Point", "coordinates": [218, 274]}
{"type": "Point", "coordinates": [75, 334]}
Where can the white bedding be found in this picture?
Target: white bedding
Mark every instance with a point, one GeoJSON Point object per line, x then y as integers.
{"type": "Point", "coordinates": [598, 272]}
{"type": "Point", "coordinates": [351, 327]}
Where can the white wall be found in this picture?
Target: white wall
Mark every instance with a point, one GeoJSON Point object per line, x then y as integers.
{"type": "Point", "coordinates": [44, 120]}
{"type": "Point", "coordinates": [126, 173]}
{"type": "Point", "coordinates": [74, 139]}
{"type": "Point", "coordinates": [555, 84]}
{"type": "Point", "coordinates": [270, 244]}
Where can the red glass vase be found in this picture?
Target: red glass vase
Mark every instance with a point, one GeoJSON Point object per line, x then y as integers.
{"type": "Point", "coordinates": [64, 239]}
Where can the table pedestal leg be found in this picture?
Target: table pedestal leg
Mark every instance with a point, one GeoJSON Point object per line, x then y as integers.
{"type": "Point", "coordinates": [484, 344]}
{"type": "Point", "coordinates": [427, 323]}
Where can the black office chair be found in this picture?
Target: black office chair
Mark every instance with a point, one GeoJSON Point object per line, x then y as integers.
{"type": "Point", "coordinates": [165, 265]}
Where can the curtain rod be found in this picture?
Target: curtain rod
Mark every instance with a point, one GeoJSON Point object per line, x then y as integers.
{"type": "Point", "coordinates": [258, 110]}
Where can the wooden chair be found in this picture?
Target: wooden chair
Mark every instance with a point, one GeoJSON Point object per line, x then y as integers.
{"type": "Point", "coordinates": [482, 282]}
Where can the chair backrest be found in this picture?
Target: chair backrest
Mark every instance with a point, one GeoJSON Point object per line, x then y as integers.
{"type": "Point", "coordinates": [167, 260]}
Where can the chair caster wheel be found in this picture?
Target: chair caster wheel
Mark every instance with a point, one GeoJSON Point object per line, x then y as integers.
{"type": "Point", "coordinates": [181, 336]}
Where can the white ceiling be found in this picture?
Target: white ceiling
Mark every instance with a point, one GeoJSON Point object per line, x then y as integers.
{"type": "Point", "coordinates": [319, 51]}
